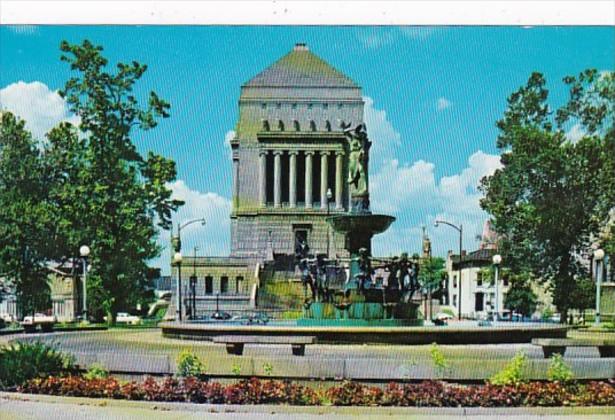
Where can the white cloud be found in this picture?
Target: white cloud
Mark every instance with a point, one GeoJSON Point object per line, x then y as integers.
{"type": "Point", "coordinates": [385, 139]}
{"type": "Point", "coordinates": [213, 239]}
{"type": "Point", "coordinates": [23, 29]}
{"type": "Point", "coordinates": [412, 193]}
{"type": "Point", "coordinates": [443, 103]}
{"type": "Point", "coordinates": [40, 107]}
{"type": "Point", "coordinates": [575, 133]}
{"type": "Point", "coordinates": [396, 187]}
{"type": "Point", "coordinates": [374, 38]}
{"type": "Point", "coordinates": [420, 33]}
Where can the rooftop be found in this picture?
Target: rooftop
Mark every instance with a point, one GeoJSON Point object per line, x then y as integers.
{"type": "Point", "coordinates": [300, 68]}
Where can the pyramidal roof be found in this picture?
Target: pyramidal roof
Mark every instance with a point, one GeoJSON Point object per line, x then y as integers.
{"type": "Point", "coordinates": [301, 67]}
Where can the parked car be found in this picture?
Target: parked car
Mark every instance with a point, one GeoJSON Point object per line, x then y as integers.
{"type": "Point", "coordinates": [126, 318]}
{"type": "Point", "coordinates": [39, 319]}
{"type": "Point", "coordinates": [6, 317]}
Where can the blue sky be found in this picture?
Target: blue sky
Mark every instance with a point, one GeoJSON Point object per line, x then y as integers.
{"type": "Point", "coordinates": [432, 95]}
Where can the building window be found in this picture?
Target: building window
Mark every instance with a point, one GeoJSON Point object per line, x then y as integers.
{"type": "Point", "coordinates": [263, 105]}
{"type": "Point", "coordinates": [340, 105]}
{"type": "Point", "coordinates": [328, 125]}
{"type": "Point", "coordinates": [310, 106]}
{"type": "Point", "coordinates": [209, 285]}
{"type": "Point", "coordinates": [296, 125]}
{"type": "Point", "coordinates": [238, 284]}
{"type": "Point", "coordinates": [312, 125]}
{"type": "Point", "coordinates": [325, 106]}
{"type": "Point", "coordinates": [455, 300]}
{"type": "Point", "coordinates": [224, 284]}
{"type": "Point", "coordinates": [455, 280]}
{"type": "Point", "coordinates": [294, 106]}
{"type": "Point", "coordinates": [505, 281]}
{"type": "Point", "coordinates": [278, 105]}
{"type": "Point", "coordinates": [479, 299]}
{"type": "Point", "coordinates": [479, 278]}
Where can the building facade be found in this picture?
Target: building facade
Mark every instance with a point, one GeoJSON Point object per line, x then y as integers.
{"type": "Point", "coordinates": [289, 173]}
{"type": "Point", "coordinates": [288, 153]}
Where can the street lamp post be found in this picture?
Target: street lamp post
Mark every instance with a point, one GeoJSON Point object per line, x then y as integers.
{"type": "Point", "coordinates": [177, 259]}
{"type": "Point", "coordinates": [599, 258]}
{"type": "Point", "coordinates": [329, 196]}
{"type": "Point", "coordinates": [497, 260]}
{"type": "Point", "coordinates": [177, 241]}
{"type": "Point", "coordinates": [193, 281]}
{"type": "Point", "coordinates": [460, 230]}
{"type": "Point", "coordinates": [84, 251]}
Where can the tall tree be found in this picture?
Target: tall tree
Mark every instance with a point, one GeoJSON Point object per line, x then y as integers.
{"type": "Point", "coordinates": [520, 297]}
{"type": "Point", "coordinates": [111, 194]}
{"type": "Point", "coordinates": [25, 216]}
{"type": "Point", "coordinates": [550, 199]}
{"type": "Point", "coordinates": [432, 273]}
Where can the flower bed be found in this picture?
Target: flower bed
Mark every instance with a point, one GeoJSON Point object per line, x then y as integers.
{"type": "Point", "coordinates": [256, 391]}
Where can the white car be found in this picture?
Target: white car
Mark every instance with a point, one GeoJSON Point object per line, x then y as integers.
{"type": "Point", "coordinates": [8, 318]}
{"type": "Point", "coordinates": [126, 318]}
{"type": "Point", "coordinates": [39, 319]}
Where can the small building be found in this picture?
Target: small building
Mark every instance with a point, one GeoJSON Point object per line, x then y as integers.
{"type": "Point", "coordinates": [65, 292]}
{"type": "Point", "coordinates": [477, 294]}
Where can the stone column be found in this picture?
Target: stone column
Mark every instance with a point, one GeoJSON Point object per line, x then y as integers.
{"type": "Point", "coordinates": [308, 179]}
{"type": "Point", "coordinates": [235, 182]}
{"type": "Point", "coordinates": [339, 180]}
{"type": "Point", "coordinates": [277, 178]}
{"type": "Point", "coordinates": [324, 176]}
{"type": "Point", "coordinates": [262, 177]}
{"type": "Point", "coordinates": [292, 179]}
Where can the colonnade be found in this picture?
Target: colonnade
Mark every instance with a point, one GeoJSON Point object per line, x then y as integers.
{"type": "Point", "coordinates": [310, 155]}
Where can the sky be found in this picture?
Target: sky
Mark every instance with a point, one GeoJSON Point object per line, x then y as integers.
{"type": "Point", "coordinates": [432, 98]}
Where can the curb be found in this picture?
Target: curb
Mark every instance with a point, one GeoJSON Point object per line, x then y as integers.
{"type": "Point", "coordinates": [294, 409]}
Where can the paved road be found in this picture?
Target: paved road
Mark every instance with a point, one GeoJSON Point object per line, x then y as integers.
{"type": "Point", "coordinates": [39, 407]}
{"type": "Point", "coordinates": [151, 342]}
{"type": "Point", "coordinates": [137, 352]}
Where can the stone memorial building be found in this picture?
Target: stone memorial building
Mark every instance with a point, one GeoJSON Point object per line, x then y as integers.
{"type": "Point", "coordinates": [289, 151]}
{"type": "Point", "coordinates": [290, 165]}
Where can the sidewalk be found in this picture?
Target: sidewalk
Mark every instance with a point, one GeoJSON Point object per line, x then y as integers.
{"type": "Point", "coordinates": [25, 406]}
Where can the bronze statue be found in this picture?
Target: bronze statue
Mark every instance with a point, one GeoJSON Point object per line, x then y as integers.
{"type": "Point", "coordinates": [358, 159]}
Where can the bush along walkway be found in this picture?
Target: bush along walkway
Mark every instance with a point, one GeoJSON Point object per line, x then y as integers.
{"type": "Point", "coordinates": [257, 391]}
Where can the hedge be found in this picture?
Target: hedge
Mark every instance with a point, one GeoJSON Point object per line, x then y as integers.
{"type": "Point", "coordinates": [257, 391]}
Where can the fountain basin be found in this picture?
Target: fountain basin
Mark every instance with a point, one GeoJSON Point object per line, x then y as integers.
{"type": "Point", "coordinates": [365, 224]}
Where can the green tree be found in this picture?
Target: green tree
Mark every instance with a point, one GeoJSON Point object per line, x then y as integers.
{"type": "Point", "coordinates": [25, 215]}
{"type": "Point", "coordinates": [553, 195]}
{"type": "Point", "coordinates": [520, 297]}
{"type": "Point", "coordinates": [431, 273]}
{"type": "Point", "coordinates": [109, 196]}
{"type": "Point", "coordinates": [584, 295]}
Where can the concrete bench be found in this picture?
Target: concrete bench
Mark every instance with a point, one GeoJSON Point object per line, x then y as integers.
{"type": "Point", "coordinates": [46, 326]}
{"type": "Point", "coordinates": [551, 346]}
{"type": "Point", "coordinates": [235, 343]}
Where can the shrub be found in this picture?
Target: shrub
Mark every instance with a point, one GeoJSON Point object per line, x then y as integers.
{"type": "Point", "coordinates": [22, 361]}
{"type": "Point", "coordinates": [96, 371]}
{"type": "Point", "coordinates": [558, 370]}
{"type": "Point", "coordinates": [438, 359]}
{"type": "Point", "coordinates": [189, 364]}
{"type": "Point", "coordinates": [268, 368]}
{"type": "Point", "coordinates": [256, 391]}
{"type": "Point", "coordinates": [236, 369]}
{"type": "Point", "coordinates": [512, 374]}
